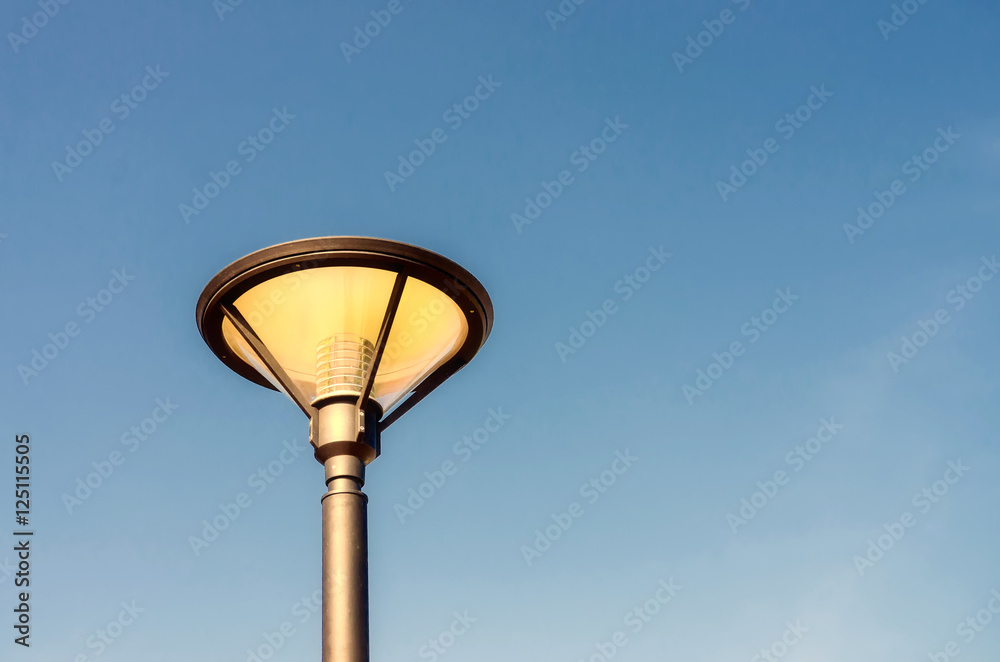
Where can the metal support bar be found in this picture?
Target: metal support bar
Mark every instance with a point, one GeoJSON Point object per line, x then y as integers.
{"type": "Point", "coordinates": [418, 394]}
{"type": "Point", "coordinates": [383, 335]}
{"type": "Point", "coordinates": [236, 318]}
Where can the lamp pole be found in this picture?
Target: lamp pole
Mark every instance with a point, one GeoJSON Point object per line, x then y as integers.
{"type": "Point", "coordinates": [345, 561]}
{"type": "Point", "coordinates": [346, 438]}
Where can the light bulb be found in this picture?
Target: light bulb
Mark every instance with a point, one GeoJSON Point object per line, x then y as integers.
{"type": "Point", "coordinates": [342, 364]}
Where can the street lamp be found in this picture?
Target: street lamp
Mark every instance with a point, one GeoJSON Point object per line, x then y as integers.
{"type": "Point", "coordinates": [355, 331]}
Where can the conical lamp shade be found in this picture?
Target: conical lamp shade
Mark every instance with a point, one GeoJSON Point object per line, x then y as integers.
{"type": "Point", "coordinates": [320, 318]}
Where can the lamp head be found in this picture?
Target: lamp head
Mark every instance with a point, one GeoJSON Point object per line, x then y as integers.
{"type": "Point", "coordinates": [370, 322]}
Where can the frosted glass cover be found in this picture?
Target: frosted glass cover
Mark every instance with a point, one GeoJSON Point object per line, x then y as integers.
{"type": "Point", "coordinates": [297, 314]}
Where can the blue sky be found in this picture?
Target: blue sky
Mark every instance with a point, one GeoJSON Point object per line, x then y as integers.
{"type": "Point", "coordinates": [798, 322]}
